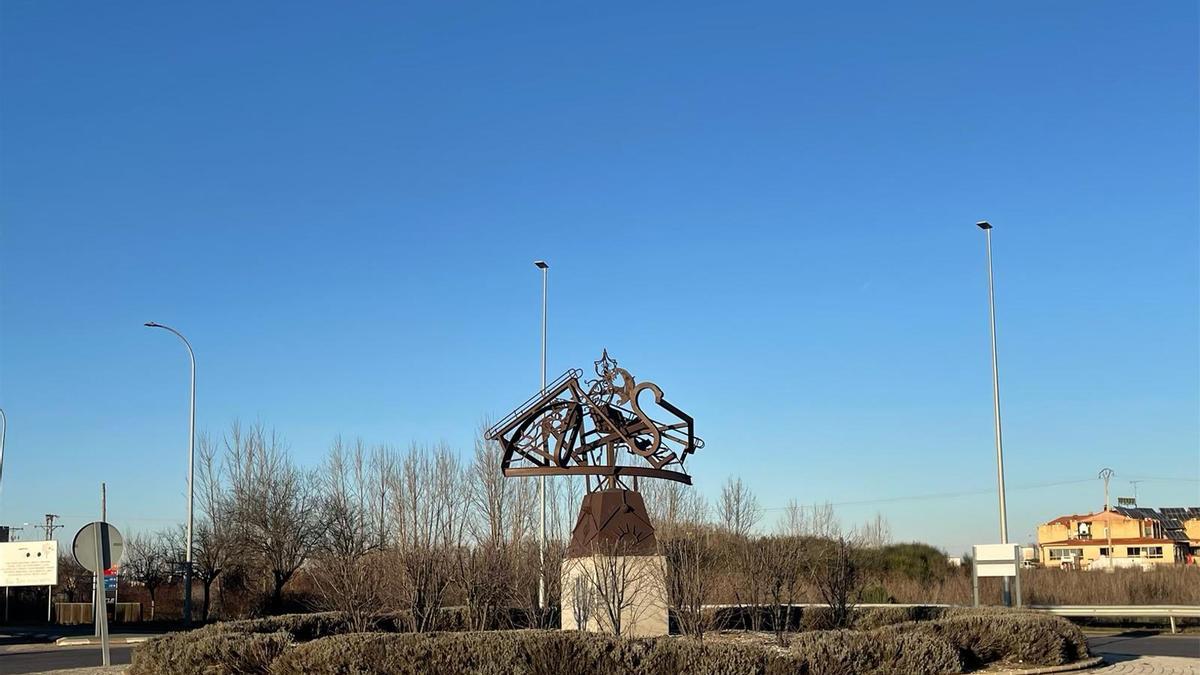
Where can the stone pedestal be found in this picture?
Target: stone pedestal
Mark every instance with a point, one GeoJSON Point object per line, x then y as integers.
{"type": "Point", "coordinates": [600, 589]}
{"type": "Point", "coordinates": [613, 577]}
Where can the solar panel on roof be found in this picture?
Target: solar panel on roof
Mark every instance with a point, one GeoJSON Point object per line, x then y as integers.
{"type": "Point", "coordinates": [1177, 535]}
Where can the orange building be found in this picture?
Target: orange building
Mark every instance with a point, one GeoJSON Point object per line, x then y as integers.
{"type": "Point", "coordinates": [1121, 537]}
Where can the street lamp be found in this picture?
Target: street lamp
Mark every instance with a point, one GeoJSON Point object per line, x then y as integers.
{"type": "Point", "coordinates": [545, 268]}
{"type": "Point", "coordinates": [3, 429]}
{"type": "Point", "coordinates": [187, 572]}
{"type": "Point", "coordinates": [987, 229]}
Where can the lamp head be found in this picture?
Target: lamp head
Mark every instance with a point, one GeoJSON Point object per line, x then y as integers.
{"type": "Point", "coordinates": [984, 225]}
{"type": "Point", "coordinates": [151, 324]}
{"type": "Point", "coordinates": [541, 264]}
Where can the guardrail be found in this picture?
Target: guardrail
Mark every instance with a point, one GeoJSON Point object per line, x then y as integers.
{"type": "Point", "coordinates": [1130, 611]}
{"type": "Point", "coordinates": [1169, 612]}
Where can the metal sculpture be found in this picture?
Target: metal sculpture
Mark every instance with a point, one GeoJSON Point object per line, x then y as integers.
{"type": "Point", "coordinates": [600, 430]}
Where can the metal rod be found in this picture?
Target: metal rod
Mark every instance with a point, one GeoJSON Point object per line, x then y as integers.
{"type": "Point", "coordinates": [987, 228]}
{"type": "Point", "coordinates": [187, 570]}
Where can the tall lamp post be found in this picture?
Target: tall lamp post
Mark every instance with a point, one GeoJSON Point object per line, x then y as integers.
{"type": "Point", "coordinates": [187, 570]}
{"type": "Point", "coordinates": [3, 430]}
{"type": "Point", "coordinates": [987, 229]}
{"type": "Point", "coordinates": [545, 268]}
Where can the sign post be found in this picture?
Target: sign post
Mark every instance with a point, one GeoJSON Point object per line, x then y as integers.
{"type": "Point", "coordinates": [996, 560]}
{"type": "Point", "coordinates": [98, 547]}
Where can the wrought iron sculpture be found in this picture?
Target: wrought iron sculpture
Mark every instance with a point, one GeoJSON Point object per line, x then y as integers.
{"type": "Point", "coordinates": [601, 429]}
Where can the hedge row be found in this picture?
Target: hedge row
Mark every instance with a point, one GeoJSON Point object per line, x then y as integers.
{"type": "Point", "coordinates": [531, 652]}
{"type": "Point", "coordinates": [540, 653]}
{"type": "Point", "coordinates": [888, 641]}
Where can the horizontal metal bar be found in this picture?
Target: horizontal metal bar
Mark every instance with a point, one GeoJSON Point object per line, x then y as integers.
{"type": "Point", "coordinates": [599, 470]}
{"type": "Point", "coordinates": [1060, 610]}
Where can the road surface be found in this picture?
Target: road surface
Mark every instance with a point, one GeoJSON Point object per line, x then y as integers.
{"type": "Point", "coordinates": [38, 658]}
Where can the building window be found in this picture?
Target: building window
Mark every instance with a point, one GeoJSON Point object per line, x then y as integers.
{"type": "Point", "coordinates": [1133, 551]}
{"type": "Point", "coordinates": [1066, 553]}
{"type": "Point", "coordinates": [1154, 552]}
{"type": "Point", "coordinates": [1103, 551]}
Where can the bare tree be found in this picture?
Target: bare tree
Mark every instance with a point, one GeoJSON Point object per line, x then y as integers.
{"type": "Point", "coordinates": [824, 523]}
{"type": "Point", "coordinates": [214, 537]}
{"type": "Point", "coordinates": [875, 532]}
{"type": "Point", "coordinates": [147, 563]}
{"type": "Point", "coordinates": [835, 570]}
{"type": "Point", "coordinates": [783, 567]}
{"type": "Point", "coordinates": [346, 572]}
{"type": "Point", "coordinates": [383, 466]}
{"type": "Point", "coordinates": [623, 586]}
{"type": "Point", "coordinates": [73, 579]}
{"type": "Point", "coordinates": [795, 521]}
{"type": "Point", "coordinates": [692, 562]}
{"type": "Point", "coordinates": [582, 601]}
{"type": "Point", "coordinates": [484, 574]}
{"type": "Point", "coordinates": [738, 509]}
{"type": "Point", "coordinates": [275, 504]}
{"type": "Point", "coordinates": [490, 493]}
{"type": "Point", "coordinates": [430, 519]}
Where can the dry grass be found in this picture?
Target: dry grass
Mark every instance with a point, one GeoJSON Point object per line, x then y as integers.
{"type": "Point", "coordinates": [1174, 585]}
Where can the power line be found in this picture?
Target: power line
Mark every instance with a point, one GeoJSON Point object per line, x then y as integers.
{"type": "Point", "coordinates": [939, 495]}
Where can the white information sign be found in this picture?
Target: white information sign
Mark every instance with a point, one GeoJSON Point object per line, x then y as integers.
{"type": "Point", "coordinates": [997, 560]}
{"type": "Point", "coordinates": [29, 563]}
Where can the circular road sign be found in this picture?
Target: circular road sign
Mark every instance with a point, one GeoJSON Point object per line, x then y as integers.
{"type": "Point", "coordinates": [112, 546]}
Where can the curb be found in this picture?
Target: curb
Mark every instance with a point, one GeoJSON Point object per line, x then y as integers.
{"type": "Point", "coordinates": [78, 641]}
{"type": "Point", "coordinates": [1066, 668]}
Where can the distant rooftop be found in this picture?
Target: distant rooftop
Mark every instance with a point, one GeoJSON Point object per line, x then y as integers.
{"type": "Point", "coordinates": [1171, 518]}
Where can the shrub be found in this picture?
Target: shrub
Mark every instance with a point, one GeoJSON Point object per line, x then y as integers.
{"type": "Point", "coordinates": [870, 618]}
{"type": "Point", "coordinates": [210, 653]}
{"type": "Point", "coordinates": [486, 653]}
{"type": "Point", "coordinates": [874, 653]}
{"type": "Point", "coordinates": [302, 627]}
{"type": "Point", "coordinates": [990, 636]}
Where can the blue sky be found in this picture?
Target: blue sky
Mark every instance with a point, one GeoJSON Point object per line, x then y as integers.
{"type": "Point", "coordinates": [766, 208]}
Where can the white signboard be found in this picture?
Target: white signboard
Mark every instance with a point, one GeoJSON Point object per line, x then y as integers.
{"type": "Point", "coordinates": [997, 560]}
{"type": "Point", "coordinates": [29, 563]}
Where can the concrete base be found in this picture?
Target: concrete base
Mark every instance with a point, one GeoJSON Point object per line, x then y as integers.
{"type": "Point", "coordinates": [601, 590]}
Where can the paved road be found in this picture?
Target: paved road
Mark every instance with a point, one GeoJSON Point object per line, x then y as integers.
{"type": "Point", "coordinates": [40, 658]}
{"type": "Point", "coordinates": [1138, 643]}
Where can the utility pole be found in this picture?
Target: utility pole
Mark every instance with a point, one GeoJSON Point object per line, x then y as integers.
{"type": "Point", "coordinates": [1106, 474]}
{"type": "Point", "coordinates": [50, 527]}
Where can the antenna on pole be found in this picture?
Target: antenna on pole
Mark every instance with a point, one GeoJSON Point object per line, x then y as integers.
{"type": "Point", "coordinates": [1134, 484]}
